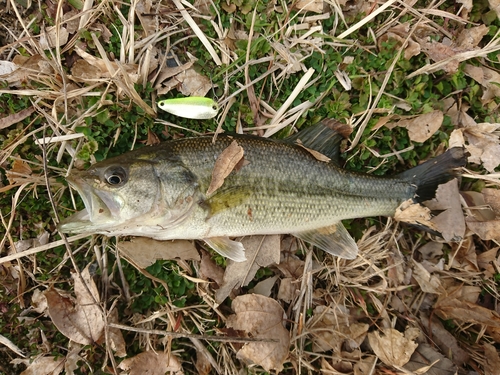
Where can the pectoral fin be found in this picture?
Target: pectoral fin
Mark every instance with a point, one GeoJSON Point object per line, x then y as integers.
{"type": "Point", "coordinates": [230, 249]}
{"type": "Point", "coordinates": [334, 239]}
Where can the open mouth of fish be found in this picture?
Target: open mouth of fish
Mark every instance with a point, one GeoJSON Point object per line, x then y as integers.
{"type": "Point", "coordinates": [95, 215]}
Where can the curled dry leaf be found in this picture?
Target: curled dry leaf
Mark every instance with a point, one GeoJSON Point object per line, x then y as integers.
{"type": "Point", "coordinates": [224, 165]}
{"type": "Point", "coordinates": [80, 321]}
{"type": "Point", "coordinates": [45, 366]}
{"type": "Point", "coordinates": [145, 251]}
{"type": "Point", "coordinates": [422, 127]}
{"type": "Point", "coordinates": [261, 317]}
{"type": "Point", "coordinates": [332, 329]}
{"type": "Point", "coordinates": [392, 347]}
{"type": "Point", "coordinates": [414, 213]}
{"type": "Point", "coordinates": [152, 363]}
{"type": "Point", "coordinates": [427, 282]}
{"type": "Point", "coordinates": [261, 251]}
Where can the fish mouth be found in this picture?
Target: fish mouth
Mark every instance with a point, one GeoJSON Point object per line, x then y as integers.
{"type": "Point", "coordinates": [95, 215]}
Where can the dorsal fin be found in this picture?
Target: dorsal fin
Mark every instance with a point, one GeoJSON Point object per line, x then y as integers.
{"type": "Point", "coordinates": [323, 137]}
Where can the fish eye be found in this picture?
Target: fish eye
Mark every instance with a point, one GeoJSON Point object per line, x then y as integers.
{"type": "Point", "coordinates": [115, 176]}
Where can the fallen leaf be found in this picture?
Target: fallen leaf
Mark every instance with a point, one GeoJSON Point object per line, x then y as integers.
{"type": "Point", "coordinates": [414, 213]}
{"type": "Point", "coordinates": [146, 251]}
{"type": "Point", "coordinates": [486, 262]}
{"type": "Point", "coordinates": [332, 328]}
{"type": "Point", "coordinates": [469, 38]}
{"type": "Point", "coordinates": [288, 289]}
{"type": "Point", "coordinates": [224, 165]}
{"type": "Point", "coordinates": [425, 355]}
{"type": "Point", "coordinates": [492, 198]}
{"type": "Point", "coordinates": [264, 287]}
{"type": "Point", "coordinates": [487, 78]}
{"type": "Point", "coordinates": [115, 336]}
{"type": "Point", "coordinates": [309, 5]}
{"type": "Point", "coordinates": [54, 37]}
{"type": "Point", "coordinates": [443, 339]}
{"type": "Point", "coordinates": [45, 366]}
{"type": "Point", "coordinates": [392, 347]}
{"type": "Point", "coordinates": [427, 282]}
{"type": "Point", "coordinates": [491, 359]}
{"type": "Point", "coordinates": [451, 222]}
{"type": "Point", "coordinates": [495, 5]}
{"type": "Point", "coordinates": [422, 127]}
{"type": "Point", "coordinates": [317, 155]}
{"type": "Point", "coordinates": [152, 363]}
{"type": "Point", "coordinates": [365, 365]}
{"type": "Point", "coordinates": [486, 230]}
{"type": "Point", "coordinates": [464, 311]}
{"type": "Point", "coordinates": [209, 269]}
{"type": "Point", "coordinates": [189, 82]}
{"type": "Point", "coordinates": [80, 321]}
{"type": "Point", "coordinates": [7, 121]}
{"type": "Point", "coordinates": [439, 51]}
{"type": "Point", "coordinates": [261, 251]}
{"type": "Point", "coordinates": [261, 317]}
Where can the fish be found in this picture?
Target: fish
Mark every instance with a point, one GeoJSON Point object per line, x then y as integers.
{"type": "Point", "coordinates": [193, 107]}
{"type": "Point", "coordinates": [273, 186]}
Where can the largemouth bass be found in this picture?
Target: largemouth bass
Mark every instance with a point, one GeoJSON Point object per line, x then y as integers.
{"type": "Point", "coordinates": [288, 186]}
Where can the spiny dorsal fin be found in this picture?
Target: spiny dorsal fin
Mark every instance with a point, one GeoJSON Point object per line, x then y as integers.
{"type": "Point", "coordinates": [323, 137]}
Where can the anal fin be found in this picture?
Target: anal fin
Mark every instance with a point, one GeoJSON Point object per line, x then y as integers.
{"type": "Point", "coordinates": [230, 249]}
{"type": "Point", "coordinates": [334, 239]}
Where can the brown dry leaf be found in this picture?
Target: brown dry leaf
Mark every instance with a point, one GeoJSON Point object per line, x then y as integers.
{"type": "Point", "coordinates": [451, 222]}
{"type": "Point", "coordinates": [414, 213]}
{"type": "Point", "coordinates": [209, 269]}
{"type": "Point", "coordinates": [261, 251]}
{"type": "Point", "coordinates": [52, 37]}
{"type": "Point", "coordinates": [491, 360]}
{"type": "Point", "coordinates": [492, 198]}
{"type": "Point", "coordinates": [7, 121]}
{"type": "Point", "coordinates": [115, 336]}
{"type": "Point", "coordinates": [81, 321]}
{"type": "Point", "coordinates": [224, 165]}
{"type": "Point", "coordinates": [465, 311]}
{"type": "Point", "coordinates": [146, 251]}
{"type": "Point", "coordinates": [309, 5]}
{"type": "Point", "coordinates": [488, 78]}
{"type": "Point", "coordinates": [399, 33]}
{"type": "Point", "coordinates": [443, 339]}
{"type": "Point", "coordinates": [317, 155]}
{"type": "Point", "coordinates": [288, 290]}
{"type": "Point", "coordinates": [486, 261]}
{"type": "Point", "coordinates": [19, 171]}
{"type": "Point", "coordinates": [152, 363]}
{"type": "Point", "coordinates": [261, 317]}
{"type": "Point", "coordinates": [331, 329]}
{"type": "Point", "coordinates": [264, 287]}
{"type": "Point", "coordinates": [45, 366]}
{"type": "Point", "coordinates": [439, 51]}
{"type": "Point", "coordinates": [189, 82]}
{"type": "Point", "coordinates": [425, 355]}
{"type": "Point", "coordinates": [84, 71]}
{"type": "Point", "coordinates": [392, 347]}
{"type": "Point", "coordinates": [486, 230]}
{"type": "Point", "coordinates": [365, 365]}
{"type": "Point", "coordinates": [422, 127]}
{"type": "Point", "coordinates": [469, 38]}
{"type": "Point", "coordinates": [143, 11]}
{"type": "Point", "coordinates": [427, 282]}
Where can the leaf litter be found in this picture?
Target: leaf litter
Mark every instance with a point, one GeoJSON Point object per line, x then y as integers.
{"type": "Point", "coordinates": [323, 302]}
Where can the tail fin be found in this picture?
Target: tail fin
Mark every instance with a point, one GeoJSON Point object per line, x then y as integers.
{"type": "Point", "coordinates": [430, 174]}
